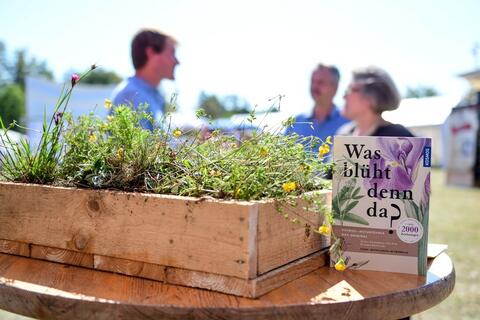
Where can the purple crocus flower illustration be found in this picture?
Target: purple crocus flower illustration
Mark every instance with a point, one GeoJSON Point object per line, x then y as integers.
{"type": "Point", "coordinates": [402, 157]}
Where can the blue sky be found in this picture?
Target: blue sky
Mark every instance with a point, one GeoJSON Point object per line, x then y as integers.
{"type": "Point", "coordinates": [255, 49]}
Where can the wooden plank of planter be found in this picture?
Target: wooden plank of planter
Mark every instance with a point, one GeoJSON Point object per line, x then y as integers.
{"type": "Point", "coordinates": [204, 235]}
{"type": "Point", "coordinates": [252, 288]}
{"type": "Point", "coordinates": [279, 240]}
{"type": "Point", "coordinates": [14, 247]}
{"type": "Point", "coordinates": [63, 256]}
{"type": "Point", "coordinates": [131, 268]}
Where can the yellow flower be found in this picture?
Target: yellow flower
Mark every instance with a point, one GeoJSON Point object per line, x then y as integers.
{"type": "Point", "coordinates": [328, 140]}
{"type": "Point", "coordinates": [108, 104]}
{"type": "Point", "coordinates": [264, 152]}
{"type": "Point", "coordinates": [103, 126]}
{"type": "Point", "coordinates": [304, 167]}
{"type": "Point", "coordinates": [340, 265]}
{"type": "Point", "coordinates": [237, 191]}
{"type": "Point", "coordinates": [177, 133]}
{"type": "Point", "coordinates": [323, 150]}
{"type": "Point", "coordinates": [120, 153]}
{"type": "Point", "coordinates": [289, 186]}
{"type": "Point", "coordinates": [215, 173]}
{"type": "Point", "coordinates": [110, 118]}
{"type": "Point", "coordinates": [324, 229]}
{"type": "Point", "coordinates": [92, 138]}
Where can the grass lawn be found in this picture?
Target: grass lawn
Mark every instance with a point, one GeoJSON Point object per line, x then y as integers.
{"type": "Point", "coordinates": [454, 220]}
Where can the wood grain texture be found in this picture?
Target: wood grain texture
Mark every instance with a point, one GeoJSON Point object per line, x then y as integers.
{"type": "Point", "coordinates": [280, 240]}
{"type": "Point", "coordinates": [50, 291]}
{"type": "Point", "coordinates": [14, 247]}
{"type": "Point", "coordinates": [62, 256]}
{"type": "Point", "coordinates": [232, 238]}
{"type": "Point", "coordinates": [191, 233]}
{"type": "Point", "coordinates": [130, 268]}
{"type": "Point", "coordinates": [248, 288]}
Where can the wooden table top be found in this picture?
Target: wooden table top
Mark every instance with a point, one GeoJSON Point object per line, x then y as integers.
{"type": "Point", "coordinates": [50, 290]}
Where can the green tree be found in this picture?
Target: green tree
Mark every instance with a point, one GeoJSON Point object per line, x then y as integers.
{"type": "Point", "coordinates": [235, 105]}
{"type": "Point", "coordinates": [421, 92]}
{"type": "Point", "coordinates": [212, 105]}
{"type": "Point", "coordinates": [222, 107]}
{"type": "Point", "coordinates": [12, 104]}
{"type": "Point", "coordinates": [22, 66]}
{"type": "Point", "coordinates": [12, 82]}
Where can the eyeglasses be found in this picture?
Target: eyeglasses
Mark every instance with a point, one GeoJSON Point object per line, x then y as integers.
{"type": "Point", "coordinates": [352, 90]}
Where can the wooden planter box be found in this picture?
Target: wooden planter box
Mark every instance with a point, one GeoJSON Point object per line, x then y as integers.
{"type": "Point", "coordinates": [241, 248]}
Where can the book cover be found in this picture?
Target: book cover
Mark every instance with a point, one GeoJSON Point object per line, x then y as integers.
{"type": "Point", "coordinates": [381, 191]}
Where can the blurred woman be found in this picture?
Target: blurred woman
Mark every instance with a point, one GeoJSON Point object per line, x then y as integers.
{"type": "Point", "coordinates": [371, 92]}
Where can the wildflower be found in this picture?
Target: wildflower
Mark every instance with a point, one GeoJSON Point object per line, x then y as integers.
{"type": "Point", "coordinates": [110, 118]}
{"type": "Point", "coordinates": [120, 153]}
{"type": "Point", "coordinates": [75, 78]}
{"type": "Point", "coordinates": [263, 152]}
{"type": "Point", "coordinates": [108, 104]}
{"type": "Point", "coordinates": [289, 186]}
{"type": "Point", "coordinates": [214, 173]}
{"type": "Point", "coordinates": [177, 133]}
{"type": "Point", "coordinates": [304, 167]}
{"type": "Point", "coordinates": [58, 117]}
{"type": "Point", "coordinates": [215, 133]}
{"type": "Point", "coordinates": [328, 140]}
{"type": "Point", "coordinates": [103, 126]}
{"type": "Point", "coordinates": [323, 150]}
{"type": "Point", "coordinates": [236, 193]}
{"type": "Point", "coordinates": [92, 137]}
{"type": "Point", "coordinates": [340, 265]}
{"type": "Point", "coordinates": [324, 229]}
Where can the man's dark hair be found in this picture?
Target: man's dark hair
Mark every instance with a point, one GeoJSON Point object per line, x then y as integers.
{"type": "Point", "coordinates": [143, 39]}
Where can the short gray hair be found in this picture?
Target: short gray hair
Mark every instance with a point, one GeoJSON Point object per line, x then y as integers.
{"type": "Point", "coordinates": [332, 69]}
{"type": "Point", "coordinates": [377, 84]}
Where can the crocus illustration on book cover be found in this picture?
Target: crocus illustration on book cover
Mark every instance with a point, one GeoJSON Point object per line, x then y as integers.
{"type": "Point", "coordinates": [381, 190]}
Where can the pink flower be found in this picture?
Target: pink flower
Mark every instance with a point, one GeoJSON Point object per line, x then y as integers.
{"type": "Point", "coordinates": [75, 78]}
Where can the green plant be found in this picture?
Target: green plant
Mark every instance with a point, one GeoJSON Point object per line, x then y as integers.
{"type": "Point", "coordinates": [20, 162]}
{"type": "Point", "coordinates": [117, 153]}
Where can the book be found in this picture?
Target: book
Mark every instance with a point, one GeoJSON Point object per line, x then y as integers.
{"type": "Point", "coordinates": [381, 192]}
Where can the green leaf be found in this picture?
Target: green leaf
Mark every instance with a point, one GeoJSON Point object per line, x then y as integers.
{"type": "Point", "coordinates": [355, 219]}
{"type": "Point", "coordinates": [335, 206]}
{"type": "Point", "coordinates": [355, 193]}
{"type": "Point", "coordinates": [351, 205]}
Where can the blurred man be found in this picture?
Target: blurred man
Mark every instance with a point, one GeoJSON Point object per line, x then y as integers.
{"type": "Point", "coordinates": [325, 118]}
{"type": "Point", "coordinates": [153, 57]}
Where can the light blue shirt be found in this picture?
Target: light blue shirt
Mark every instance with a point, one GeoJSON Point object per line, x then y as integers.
{"type": "Point", "coordinates": [307, 125]}
{"type": "Point", "coordinates": [135, 91]}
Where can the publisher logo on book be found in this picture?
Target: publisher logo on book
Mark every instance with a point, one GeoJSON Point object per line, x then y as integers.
{"type": "Point", "coordinates": [427, 156]}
